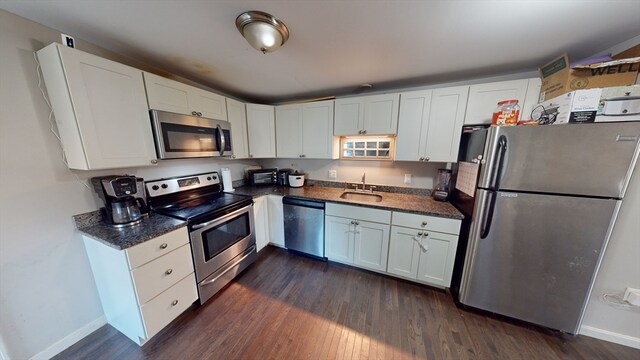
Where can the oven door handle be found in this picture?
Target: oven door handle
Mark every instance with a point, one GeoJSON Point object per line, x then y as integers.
{"type": "Point", "coordinates": [229, 268]}
{"type": "Point", "coordinates": [222, 218]}
{"type": "Point", "coordinates": [200, 226]}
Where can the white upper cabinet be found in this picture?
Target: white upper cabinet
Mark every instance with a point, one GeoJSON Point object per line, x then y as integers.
{"type": "Point", "coordinates": [430, 124]}
{"type": "Point", "coordinates": [367, 115]}
{"type": "Point", "coordinates": [169, 95]}
{"type": "Point", "coordinates": [261, 131]}
{"type": "Point", "coordinates": [237, 115]}
{"type": "Point", "coordinates": [305, 130]}
{"type": "Point", "coordinates": [100, 109]}
{"type": "Point", "coordinates": [483, 98]}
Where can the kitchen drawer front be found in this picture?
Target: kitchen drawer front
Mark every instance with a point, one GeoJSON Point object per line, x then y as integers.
{"type": "Point", "coordinates": [433, 223]}
{"type": "Point", "coordinates": [149, 250]}
{"type": "Point", "coordinates": [160, 311]}
{"type": "Point", "coordinates": [160, 274]}
{"type": "Point", "coordinates": [358, 212]}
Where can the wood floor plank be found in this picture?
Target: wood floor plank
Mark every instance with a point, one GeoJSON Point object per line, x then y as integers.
{"type": "Point", "coordinates": [286, 306]}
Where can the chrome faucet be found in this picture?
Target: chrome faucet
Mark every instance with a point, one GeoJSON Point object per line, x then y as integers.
{"type": "Point", "coordinates": [363, 181]}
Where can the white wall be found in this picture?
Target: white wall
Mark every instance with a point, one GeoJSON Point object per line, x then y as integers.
{"type": "Point", "coordinates": [46, 286]}
{"type": "Point", "coordinates": [620, 266]}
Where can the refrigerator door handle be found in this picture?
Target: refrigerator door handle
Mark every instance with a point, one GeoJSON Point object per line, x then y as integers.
{"type": "Point", "coordinates": [501, 152]}
{"type": "Point", "coordinates": [487, 215]}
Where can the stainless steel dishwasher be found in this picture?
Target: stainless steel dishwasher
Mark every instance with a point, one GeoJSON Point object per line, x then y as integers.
{"type": "Point", "coordinates": [304, 226]}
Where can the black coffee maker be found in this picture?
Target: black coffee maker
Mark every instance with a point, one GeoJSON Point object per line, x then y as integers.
{"type": "Point", "coordinates": [125, 201]}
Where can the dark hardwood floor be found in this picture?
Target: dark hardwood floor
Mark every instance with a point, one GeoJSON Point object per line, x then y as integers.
{"type": "Point", "coordinates": [290, 307]}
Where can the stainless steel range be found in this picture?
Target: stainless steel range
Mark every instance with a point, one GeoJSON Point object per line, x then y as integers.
{"type": "Point", "coordinates": [221, 226]}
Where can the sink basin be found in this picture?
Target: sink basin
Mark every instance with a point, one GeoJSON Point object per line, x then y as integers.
{"type": "Point", "coordinates": [359, 196]}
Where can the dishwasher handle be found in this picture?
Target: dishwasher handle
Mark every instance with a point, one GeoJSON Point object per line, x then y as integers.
{"type": "Point", "coordinates": [303, 202]}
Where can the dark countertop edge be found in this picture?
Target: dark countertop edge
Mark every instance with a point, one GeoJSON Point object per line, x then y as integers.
{"type": "Point", "coordinates": [255, 192]}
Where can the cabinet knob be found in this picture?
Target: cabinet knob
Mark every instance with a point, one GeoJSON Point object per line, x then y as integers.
{"type": "Point", "coordinates": [424, 223]}
{"type": "Point", "coordinates": [199, 113]}
{"type": "Point", "coordinates": [194, 113]}
{"type": "Point", "coordinates": [169, 271]}
{"type": "Point", "coordinates": [353, 222]}
{"type": "Point", "coordinates": [426, 159]}
{"type": "Point", "coordinates": [364, 132]}
{"type": "Point", "coordinates": [174, 303]}
{"type": "Point", "coordinates": [419, 233]}
{"type": "Point", "coordinates": [421, 159]}
{"type": "Point", "coordinates": [250, 155]}
{"type": "Point", "coordinates": [426, 234]}
{"type": "Point", "coordinates": [357, 223]}
{"type": "Point", "coordinates": [154, 161]}
{"type": "Point", "coordinates": [163, 246]}
{"type": "Point", "coordinates": [233, 156]}
{"type": "Point", "coordinates": [360, 132]}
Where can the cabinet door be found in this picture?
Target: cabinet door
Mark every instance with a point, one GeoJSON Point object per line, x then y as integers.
{"type": "Point", "coordinates": [531, 99]}
{"type": "Point", "coordinates": [237, 116]}
{"type": "Point", "coordinates": [381, 114]}
{"type": "Point", "coordinates": [261, 131]}
{"type": "Point", "coordinates": [101, 109]}
{"type": "Point", "coordinates": [483, 99]}
{"type": "Point", "coordinates": [261, 221]}
{"type": "Point", "coordinates": [317, 130]}
{"type": "Point", "coordinates": [371, 243]}
{"type": "Point", "coordinates": [445, 124]}
{"type": "Point", "coordinates": [338, 239]}
{"type": "Point", "coordinates": [276, 220]}
{"type": "Point", "coordinates": [167, 95]}
{"type": "Point", "coordinates": [211, 105]}
{"type": "Point", "coordinates": [288, 131]}
{"type": "Point", "coordinates": [436, 263]}
{"type": "Point", "coordinates": [413, 124]}
{"type": "Point", "coordinates": [404, 252]}
{"type": "Point", "coordinates": [349, 115]}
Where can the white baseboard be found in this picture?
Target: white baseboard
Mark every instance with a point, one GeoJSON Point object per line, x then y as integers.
{"type": "Point", "coordinates": [70, 339]}
{"type": "Point", "coordinates": [610, 336]}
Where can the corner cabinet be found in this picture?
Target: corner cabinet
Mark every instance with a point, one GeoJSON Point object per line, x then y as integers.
{"type": "Point", "coordinates": [423, 248]}
{"type": "Point", "coordinates": [173, 96]}
{"type": "Point", "coordinates": [483, 98]}
{"type": "Point", "coordinates": [430, 123]}
{"type": "Point", "coordinates": [145, 287]}
{"type": "Point", "coordinates": [261, 221]}
{"type": "Point", "coordinates": [261, 131]}
{"type": "Point", "coordinates": [367, 115]}
{"type": "Point", "coordinates": [305, 131]}
{"type": "Point", "coordinates": [237, 115]}
{"type": "Point", "coordinates": [100, 109]}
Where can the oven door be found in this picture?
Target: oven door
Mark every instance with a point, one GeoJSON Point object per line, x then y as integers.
{"type": "Point", "coordinates": [219, 241]}
{"type": "Point", "coordinates": [183, 136]}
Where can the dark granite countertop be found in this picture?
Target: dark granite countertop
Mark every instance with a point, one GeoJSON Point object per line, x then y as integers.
{"type": "Point", "coordinates": [93, 225]}
{"type": "Point", "coordinates": [411, 203]}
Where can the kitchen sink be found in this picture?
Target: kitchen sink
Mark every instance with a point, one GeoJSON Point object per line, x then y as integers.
{"type": "Point", "coordinates": [359, 196]}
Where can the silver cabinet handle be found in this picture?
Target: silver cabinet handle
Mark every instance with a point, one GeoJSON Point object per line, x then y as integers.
{"type": "Point", "coordinates": [194, 113]}
{"type": "Point", "coordinates": [169, 271]}
{"type": "Point", "coordinates": [154, 161]}
{"type": "Point", "coordinates": [424, 223]}
{"type": "Point", "coordinates": [174, 303]}
{"type": "Point", "coordinates": [163, 246]}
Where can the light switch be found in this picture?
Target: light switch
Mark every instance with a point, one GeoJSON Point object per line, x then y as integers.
{"type": "Point", "coordinates": [407, 178]}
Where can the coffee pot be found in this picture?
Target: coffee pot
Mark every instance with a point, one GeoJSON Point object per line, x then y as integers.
{"type": "Point", "coordinates": [124, 199]}
{"type": "Point", "coordinates": [441, 190]}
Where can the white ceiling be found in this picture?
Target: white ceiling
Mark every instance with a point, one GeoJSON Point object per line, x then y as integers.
{"type": "Point", "coordinates": [335, 45]}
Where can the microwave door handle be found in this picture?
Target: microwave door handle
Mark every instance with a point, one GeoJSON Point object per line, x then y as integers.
{"type": "Point", "coordinates": [223, 141]}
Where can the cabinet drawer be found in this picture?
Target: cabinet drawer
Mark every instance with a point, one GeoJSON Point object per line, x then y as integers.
{"type": "Point", "coordinates": [358, 212]}
{"type": "Point", "coordinates": [160, 274]}
{"type": "Point", "coordinates": [149, 250]}
{"type": "Point", "coordinates": [433, 223]}
{"type": "Point", "coordinates": [160, 311]}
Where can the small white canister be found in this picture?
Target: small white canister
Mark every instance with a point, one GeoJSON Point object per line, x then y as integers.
{"type": "Point", "coordinates": [296, 180]}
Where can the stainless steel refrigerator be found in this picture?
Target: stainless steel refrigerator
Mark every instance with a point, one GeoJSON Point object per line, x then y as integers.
{"type": "Point", "coordinates": [544, 206]}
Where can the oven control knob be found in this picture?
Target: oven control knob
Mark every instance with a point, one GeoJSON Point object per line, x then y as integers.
{"type": "Point", "coordinates": [164, 186]}
{"type": "Point", "coordinates": [155, 187]}
{"type": "Point", "coordinates": [209, 178]}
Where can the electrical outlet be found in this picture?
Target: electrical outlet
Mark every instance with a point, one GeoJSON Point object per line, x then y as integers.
{"type": "Point", "coordinates": [68, 40]}
{"type": "Point", "coordinates": [333, 174]}
{"type": "Point", "coordinates": [632, 296]}
{"type": "Point", "coordinates": [407, 178]}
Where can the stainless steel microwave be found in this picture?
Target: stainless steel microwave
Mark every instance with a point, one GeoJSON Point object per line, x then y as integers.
{"type": "Point", "coordinates": [184, 136]}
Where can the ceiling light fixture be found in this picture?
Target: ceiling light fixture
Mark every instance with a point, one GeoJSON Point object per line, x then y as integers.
{"type": "Point", "coordinates": [263, 31]}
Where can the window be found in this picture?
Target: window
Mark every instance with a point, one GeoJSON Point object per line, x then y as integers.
{"type": "Point", "coordinates": [367, 148]}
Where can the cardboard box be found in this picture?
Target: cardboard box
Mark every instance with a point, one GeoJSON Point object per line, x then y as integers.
{"type": "Point", "coordinates": [558, 78]}
{"type": "Point", "coordinates": [621, 103]}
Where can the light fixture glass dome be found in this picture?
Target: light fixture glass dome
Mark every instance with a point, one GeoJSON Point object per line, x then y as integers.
{"type": "Point", "coordinates": [262, 31]}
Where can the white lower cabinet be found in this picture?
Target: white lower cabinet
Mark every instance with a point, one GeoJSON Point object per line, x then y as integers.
{"type": "Point", "coordinates": [143, 288]}
{"type": "Point", "coordinates": [361, 240]}
{"type": "Point", "coordinates": [261, 221]}
{"type": "Point", "coordinates": [276, 220]}
{"type": "Point", "coordinates": [423, 251]}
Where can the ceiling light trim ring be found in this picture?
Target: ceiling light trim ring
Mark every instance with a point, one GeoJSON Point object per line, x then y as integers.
{"type": "Point", "coordinates": [250, 17]}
